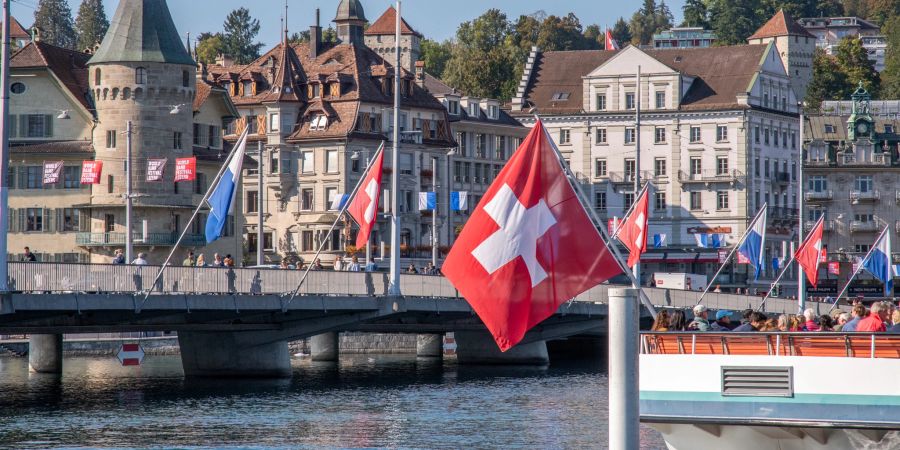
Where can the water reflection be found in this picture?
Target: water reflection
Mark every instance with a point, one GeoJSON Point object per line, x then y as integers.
{"type": "Point", "coordinates": [389, 401]}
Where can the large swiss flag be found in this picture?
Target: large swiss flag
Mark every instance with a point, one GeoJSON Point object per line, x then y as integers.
{"type": "Point", "coordinates": [529, 245]}
{"type": "Point", "coordinates": [810, 254]}
{"type": "Point", "coordinates": [364, 207]}
{"type": "Point", "coordinates": [634, 231]}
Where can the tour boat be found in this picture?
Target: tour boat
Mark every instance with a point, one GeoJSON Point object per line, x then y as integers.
{"type": "Point", "coordinates": [782, 391]}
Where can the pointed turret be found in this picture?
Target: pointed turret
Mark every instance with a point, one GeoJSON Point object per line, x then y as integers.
{"type": "Point", "coordinates": [285, 85]}
{"type": "Point", "coordinates": [142, 31]}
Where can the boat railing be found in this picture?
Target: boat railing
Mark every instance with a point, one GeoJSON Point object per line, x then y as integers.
{"type": "Point", "coordinates": [825, 344]}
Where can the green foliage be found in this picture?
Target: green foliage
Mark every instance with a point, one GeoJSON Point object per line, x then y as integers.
{"type": "Point", "coordinates": [853, 61]}
{"type": "Point", "coordinates": [209, 47]}
{"type": "Point", "coordinates": [91, 24]}
{"type": "Point", "coordinates": [481, 62]}
{"type": "Point", "coordinates": [239, 38]}
{"type": "Point", "coordinates": [890, 77]}
{"type": "Point", "coordinates": [649, 20]}
{"type": "Point", "coordinates": [299, 37]}
{"type": "Point", "coordinates": [436, 55]}
{"type": "Point", "coordinates": [827, 82]}
{"type": "Point", "coordinates": [836, 77]}
{"type": "Point", "coordinates": [695, 14]}
{"type": "Point", "coordinates": [621, 32]}
{"type": "Point", "coordinates": [735, 20]}
{"type": "Point", "coordinates": [54, 20]}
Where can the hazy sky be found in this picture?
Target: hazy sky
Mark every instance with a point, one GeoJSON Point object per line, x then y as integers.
{"type": "Point", "coordinates": [436, 19]}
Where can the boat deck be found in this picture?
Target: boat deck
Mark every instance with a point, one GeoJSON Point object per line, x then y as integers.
{"type": "Point", "coordinates": [826, 344]}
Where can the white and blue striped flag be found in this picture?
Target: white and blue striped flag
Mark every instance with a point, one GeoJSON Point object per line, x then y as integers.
{"type": "Point", "coordinates": [338, 201]}
{"type": "Point", "coordinates": [459, 201]}
{"type": "Point", "coordinates": [659, 240]}
{"type": "Point", "coordinates": [878, 263]}
{"type": "Point", "coordinates": [221, 201]}
{"type": "Point", "coordinates": [427, 201]}
{"type": "Point", "coordinates": [753, 244]}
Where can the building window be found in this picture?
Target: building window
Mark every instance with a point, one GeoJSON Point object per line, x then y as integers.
{"type": "Point", "coordinates": [110, 184]}
{"type": "Point", "coordinates": [481, 145]}
{"type": "Point", "coordinates": [600, 201]}
{"type": "Point", "coordinates": [500, 149]}
{"type": "Point", "coordinates": [722, 165]}
{"type": "Point", "coordinates": [600, 168]}
{"type": "Point", "coordinates": [766, 136]}
{"type": "Point", "coordinates": [695, 135]}
{"type": "Point", "coordinates": [793, 140]}
{"type": "Point", "coordinates": [331, 161]}
{"type": "Point", "coordinates": [34, 219]}
{"type": "Point", "coordinates": [306, 241]}
{"type": "Point", "coordinates": [70, 219]}
{"type": "Point", "coordinates": [18, 88]}
{"type": "Point", "coordinates": [660, 100]}
{"type": "Point", "coordinates": [766, 168]}
{"type": "Point", "coordinates": [659, 201]}
{"type": "Point", "coordinates": [252, 202]}
{"type": "Point", "coordinates": [453, 107]}
{"type": "Point", "coordinates": [307, 162]}
{"type": "Point", "coordinates": [629, 100]}
{"type": "Point", "coordinates": [273, 163]}
{"type": "Point", "coordinates": [696, 201]}
{"type": "Point", "coordinates": [722, 200]}
{"type": "Point", "coordinates": [177, 143]}
{"type": "Point", "coordinates": [628, 199]}
{"type": "Point", "coordinates": [38, 125]}
{"type": "Point", "coordinates": [306, 199]}
{"type": "Point", "coordinates": [629, 136]}
{"type": "Point", "coordinates": [864, 183]}
{"type": "Point", "coordinates": [660, 135]}
{"type": "Point", "coordinates": [185, 78]}
{"type": "Point", "coordinates": [274, 122]}
{"type": "Point", "coordinates": [630, 169]}
{"type": "Point", "coordinates": [109, 223]}
{"type": "Point", "coordinates": [756, 134]}
{"type": "Point", "coordinates": [493, 112]}
{"type": "Point", "coordinates": [111, 138]}
{"type": "Point", "coordinates": [721, 133]}
{"type": "Point", "coordinates": [140, 75]}
{"type": "Point", "coordinates": [406, 164]}
{"type": "Point", "coordinates": [97, 74]}
{"type": "Point", "coordinates": [601, 135]}
{"type": "Point", "coordinates": [72, 177]}
{"type": "Point", "coordinates": [564, 136]}
{"type": "Point", "coordinates": [659, 167]}
{"type": "Point", "coordinates": [829, 128]}
{"type": "Point", "coordinates": [696, 166]}
{"type": "Point", "coordinates": [784, 139]}
{"type": "Point", "coordinates": [601, 102]}
{"type": "Point", "coordinates": [863, 248]}
{"type": "Point", "coordinates": [775, 138]}
{"type": "Point", "coordinates": [354, 165]}
{"type": "Point", "coordinates": [34, 177]}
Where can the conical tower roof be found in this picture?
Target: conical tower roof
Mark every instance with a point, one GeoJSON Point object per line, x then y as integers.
{"type": "Point", "coordinates": [142, 31]}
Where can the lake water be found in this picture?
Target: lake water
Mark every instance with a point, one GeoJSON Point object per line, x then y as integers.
{"type": "Point", "coordinates": [363, 402]}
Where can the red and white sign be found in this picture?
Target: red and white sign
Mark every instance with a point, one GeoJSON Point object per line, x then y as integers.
{"type": "Point", "coordinates": [723, 256]}
{"type": "Point", "coordinates": [741, 259]}
{"type": "Point", "coordinates": [529, 245]}
{"type": "Point", "coordinates": [834, 268]}
{"type": "Point", "coordinates": [130, 354]}
{"type": "Point", "coordinates": [52, 172]}
{"type": "Point", "coordinates": [185, 169]}
{"type": "Point", "coordinates": [90, 172]}
{"type": "Point", "coordinates": [156, 169]}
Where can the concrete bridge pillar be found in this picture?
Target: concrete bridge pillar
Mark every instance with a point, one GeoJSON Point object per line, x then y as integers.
{"type": "Point", "coordinates": [232, 355]}
{"type": "Point", "coordinates": [325, 347]}
{"type": "Point", "coordinates": [430, 345]}
{"type": "Point", "coordinates": [478, 347]}
{"type": "Point", "coordinates": [45, 353]}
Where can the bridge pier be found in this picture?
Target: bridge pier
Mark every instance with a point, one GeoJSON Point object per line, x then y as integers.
{"type": "Point", "coordinates": [232, 355]}
{"type": "Point", "coordinates": [477, 347]}
{"type": "Point", "coordinates": [325, 347]}
{"type": "Point", "coordinates": [45, 353]}
{"type": "Point", "coordinates": [430, 345]}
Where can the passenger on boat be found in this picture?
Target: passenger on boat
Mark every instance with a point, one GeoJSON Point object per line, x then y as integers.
{"type": "Point", "coordinates": [826, 323]}
{"type": "Point", "coordinates": [757, 323]}
{"type": "Point", "coordinates": [842, 320]}
{"type": "Point", "coordinates": [810, 324]}
{"type": "Point", "coordinates": [723, 321]}
{"type": "Point", "coordinates": [784, 323]}
{"type": "Point", "coordinates": [875, 321]}
{"type": "Point", "coordinates": [859, 313]}
{"type": "Point", "coordinates": [895, 319]}
{"type": "Point", "coordinates": [661, 323]}
{"type": "Point", "coordinates": [796, 323]}
{"type": "Point", "coordinates": [677, 321]}
{"type": "Point", "coordinates": [701, 319]}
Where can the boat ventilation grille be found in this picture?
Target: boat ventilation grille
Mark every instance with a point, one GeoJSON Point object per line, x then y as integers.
{"type": "Point", "coordinates": [758, 381]}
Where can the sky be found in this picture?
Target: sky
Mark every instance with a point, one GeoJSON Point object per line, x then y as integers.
{"type": "Point", "coordinates": [436, 19]}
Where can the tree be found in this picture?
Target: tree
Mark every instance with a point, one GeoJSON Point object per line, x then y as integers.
{"type": "Point", "coordinates": [91, 24]}
{"type": "Point", "coordinates": [735, 20]}
{"type": "Point", "coordinates": [853, 61]}
{"type": "Point", "coordinates": [301, 37]}
{"type": "Point", "coordinates": [663, 17]}
{"type": "Point", "coordinates": [435, 54]}
{"type": "Point", "coordinates": [562, 33]}
{"type": "Point", "coordinates": [827, 83]}
{"type": "Point", "coordinates": [695, 14]}
{"type": "Point", "coordinates": [621, 32]}
{"type": "Point", "coordinates": [484, 62]}
{"type": "Point", "coordinates": [594, 36]}
{"type": "Point", "coordinates": [890, 76]}
{"type": "Point", "coordinates": [881, 11]}
{"type": "Point", "coordinates": [240, 35]}
{"type": "Point", "coordinates": [54, 20]}
{"type": "Point", "coordinates": [209, 47]}
{"type": "Point", "coordinates": [643, 23]}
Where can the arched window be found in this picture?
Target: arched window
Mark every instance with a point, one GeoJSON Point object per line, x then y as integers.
{"type": "Point", "coordinates": [140, 75]}
{"type": "Point", "coordinates": [185, 78]}
{"type": "Point", "coordinates": [97, 77]}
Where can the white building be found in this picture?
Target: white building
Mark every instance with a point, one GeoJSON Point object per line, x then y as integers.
{"type": "Point", "coordinates": [829, 31]}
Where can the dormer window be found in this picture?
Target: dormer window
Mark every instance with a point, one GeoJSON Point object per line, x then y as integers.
{"type": "Point", "coordinates": [247, 87]}
{"type": "Point", "coordinates": [493, 112]}
{"type": "Point", "coordinates": [227, 86]}
{"type": "Point", "coordinates": [473, 110]}
{"type": "Point", "coordinates": [453, 107]}
{"type": "Point", "coordinates": [318, 123]}
{"type": "Point", "coordinates": [140, 75]}
{"type": "Point", "coordinates": [560, 96]}
{"type": "Point", "coordinates": [829, 128]}
{"type": "Point", "coordinates": [313, 91]}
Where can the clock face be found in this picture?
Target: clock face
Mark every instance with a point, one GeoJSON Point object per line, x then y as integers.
{"type": "Point", "coordinates": [862, 128]}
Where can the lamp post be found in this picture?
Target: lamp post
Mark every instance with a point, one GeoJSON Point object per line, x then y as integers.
{"type": "Point", "coordinates": [4, 147]}
{"type": "Point", "coordinates": [434, 214]}
{"type": "Point", "coordinates": [394, 287]}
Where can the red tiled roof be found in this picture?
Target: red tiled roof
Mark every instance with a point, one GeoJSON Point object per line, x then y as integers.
{"type": "Point", "coordinates": [387, 24]}
{"type": "Point", "coordinates": [17, 31]}
{"type": "Point", "coordinates": [68, 65]}
{"type": "Point", "coordinates": [781, 24]}
{"type": "Point", "coordinates": [560, 73]}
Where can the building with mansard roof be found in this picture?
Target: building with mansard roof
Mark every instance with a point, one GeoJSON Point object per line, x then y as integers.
{"type": "Point", "coordinates": [718, 139]}
{"type": "Point", "coordinates": [71, 107]}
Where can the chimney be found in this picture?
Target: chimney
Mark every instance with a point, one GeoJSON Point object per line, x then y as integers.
{"type": "Point", "coordinates": [315, 38]}
{"type": "Point", "coordinates": [420, 74]}
{"type": "Point", "coordinates": [224, 60]}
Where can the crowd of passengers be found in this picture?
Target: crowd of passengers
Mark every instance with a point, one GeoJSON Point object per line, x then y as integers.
{"type": "Point", "coordinates": [881, 316]}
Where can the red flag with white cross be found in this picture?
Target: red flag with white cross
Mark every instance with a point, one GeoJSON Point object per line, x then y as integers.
{"type": "Point", "coordinates": [634, 230]}
{"type": "Point", "coordinates": [810, 254]}
{"type": "Point", "coordinates": [364, 205]}
{"type": "Point", "coordinates": [529, 246]}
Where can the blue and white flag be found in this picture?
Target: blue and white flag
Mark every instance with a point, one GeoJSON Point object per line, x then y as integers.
{"type": "Point", "coordinates": [776, 263]}
{"type": "Point", "coordinates": [754, 242]}
{"type": "Point", "coordinates": [222, 199]}
{"type": "Point", "coordinates": [717, 240]}
{"type": "Point", "coordinates": [338, 201]}
{"type": "Point", "coordinates": [702, 240]}
{"type": "Point", "coordinates": [427, 201]}
{"type": "Point", "coordinates": [459, 201]}
{"type": "Point", "coordinates": [879, 263]}
{"type": "Point", "coordinates": [659, 240]}
{"type": "Point", "coordinates": [896, 270]}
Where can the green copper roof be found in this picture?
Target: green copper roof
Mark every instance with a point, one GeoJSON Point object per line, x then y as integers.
{"type": "Point", "coordinates": [142, 31]}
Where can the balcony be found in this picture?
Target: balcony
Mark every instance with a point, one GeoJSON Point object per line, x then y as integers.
{"type": "Point", "coordinates": [874, 159]}
{"type": "Point", "coordinates": [779, 212]}
{"type": "Point", "coordinates": [897, 197]}
{"type": "Point", "coordinates": [621, 177]}
{"type": "Point", "coordinates": [826, 196]}
{"type": "Point", "coordinates": [827, 225]}
{"type": "Point", "coordinates": [872, 226]}
{"type": "Point", "coordinates": [152, 240]}
{"type": "Point", "coordinates": [782, 178]}
{"type": "Point", "coordinates": [710, 176]}
{"type": "Point", "coordinates": [864, 196]}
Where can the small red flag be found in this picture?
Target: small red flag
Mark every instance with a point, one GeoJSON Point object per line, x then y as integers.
{"type": "Point", "coordinates": [185, 169]}
{"type": "Point", "coordinates": [809, 255]}
{"type": "Point", "coordinates": [528, 246]}
{"type": "Point", "coordinates": [611, 43]}
{"type": "Point", "coordinates": [90, 172]}
{"type": "Point", "coordinates": [364, 206]}
{"type": "Point", "coordinates": [634, 231]}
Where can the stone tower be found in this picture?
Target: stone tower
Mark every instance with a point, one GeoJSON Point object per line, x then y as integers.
{"type": "Point", "coordinates": [795, 45]}
{"type": "Point", "coordinates": [350, 20]}
{"type": "Point", "coordinates": [142, 73]}
{"type": "Point", "coordinates": [380, 36]}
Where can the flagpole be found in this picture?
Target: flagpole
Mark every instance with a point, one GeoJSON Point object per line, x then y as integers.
{"type": "Point", "coordinates": [394, 286]}
{"type": "Point", "coordinates": [730, 255]}
{"type": "Point", "coordinates": [637, 165]}
{"type": "Point", "coordinates": [212, 186]}
{"type": "Point", "coordinates": [331, 230]}
{"type": "Point", "coordinates": [801, 280]}
{"type": "Point", "coordinates": [775, 283]}
{"type": "Point", "coordinates": [601, 227]}
{"type": "Point", "coordinates": [858, 270]}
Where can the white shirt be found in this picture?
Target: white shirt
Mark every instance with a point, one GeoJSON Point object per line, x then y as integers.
{"type": "Point", "coordinates": [139, 261]}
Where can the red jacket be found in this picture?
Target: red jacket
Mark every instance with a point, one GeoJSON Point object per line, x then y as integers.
{"type": "Point", "coordinates": [871, 323]}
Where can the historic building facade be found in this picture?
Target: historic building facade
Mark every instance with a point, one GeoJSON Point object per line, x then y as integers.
{"type": "Point", "coordinates": [795, 45]}
{"type": "Point", "coordinates": [71, 107]}
{"type": "Point", "coordinates": [719, 138]}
